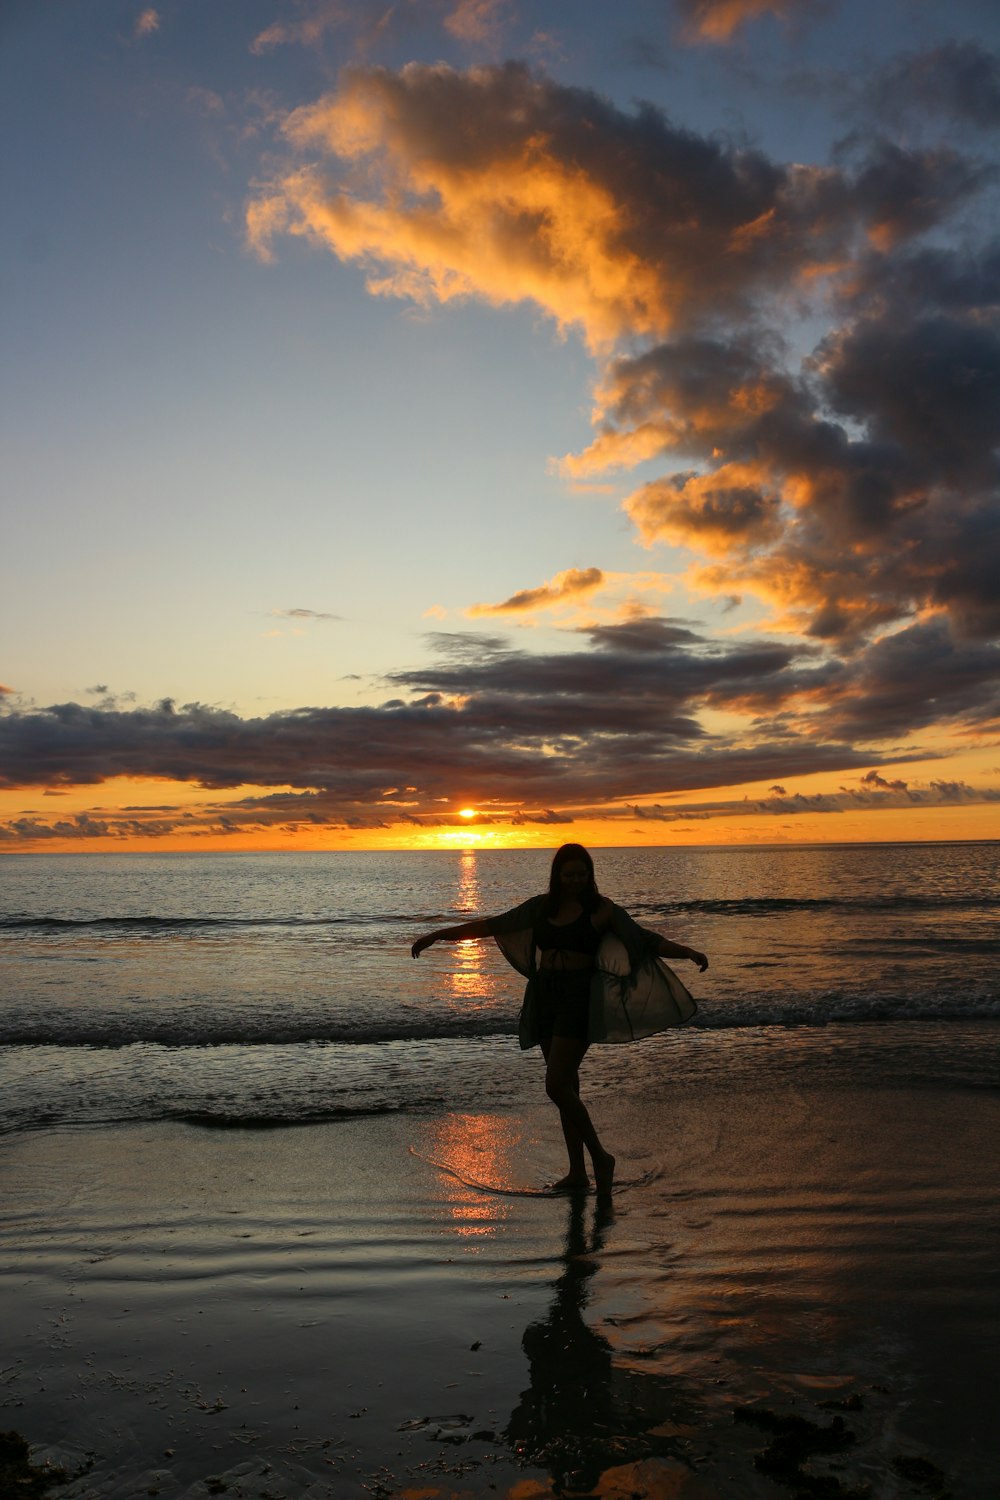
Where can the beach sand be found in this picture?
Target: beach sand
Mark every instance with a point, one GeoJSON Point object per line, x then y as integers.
{"type": "Point", "coordinates": [317, 1311]}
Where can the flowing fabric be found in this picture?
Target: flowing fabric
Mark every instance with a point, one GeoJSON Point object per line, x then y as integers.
{"type": "Point", "coordinates": [632, 992]}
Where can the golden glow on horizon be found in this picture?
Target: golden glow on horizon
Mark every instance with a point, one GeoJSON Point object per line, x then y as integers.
{"type": "Point", "coordinates": [467, 812]}
{"type": "Point", "coordinates": [196, 822]}
{"type": "Point", "coordinates": [891, 825]}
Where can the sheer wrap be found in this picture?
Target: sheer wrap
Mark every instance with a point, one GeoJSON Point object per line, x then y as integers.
{"type": "Point", "coordinates": [632, 992]}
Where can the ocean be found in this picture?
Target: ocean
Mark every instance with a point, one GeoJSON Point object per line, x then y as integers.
{"type": "Point", "coordinates": [275, 1208]}
{"type": "Point", "coordinates": [276, 989]}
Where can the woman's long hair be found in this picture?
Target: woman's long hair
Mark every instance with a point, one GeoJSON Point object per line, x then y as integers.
{"type": "Point", "coordinates": [590, 895]}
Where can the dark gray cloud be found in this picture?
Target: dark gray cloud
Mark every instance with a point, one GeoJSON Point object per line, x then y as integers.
{"type": "Point", "coordinates": [653, 633]}
{"type": "Point", "coordinates": [525, 736]}
{"type": "Point", "coordinates": [959, 79]}
{"type": "Point", "coordinates": [900, 191]}
{"type": "Point", "coordinates": [855, 492]}
{"type": "Point", "coordinates": [917, 678]}
{"type": "Point", "coordinates": [928, 389]}
{"type": "Point", "coordinates": [873, 779]}
{"type": "Point", "coordinates": [643, 683]}
{"type": "Point", "coordinates": [916, 282]}
{"type": "Point", "coordinates": [863, 798]}
{"type": "Point", "coordinates": [304, 614]}
{"type": "Point", "coordinates": [614, 716]}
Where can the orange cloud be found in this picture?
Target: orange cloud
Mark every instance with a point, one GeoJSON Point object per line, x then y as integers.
{"type": "Point", "coordinates": [308, 31]}
{"type": "Point", "coordinates": [811, 594]}
{"type": "Point", "coordinates": [499, 183]}
{"type": "Point", "coordinates": [732, 509]}
{"type": "Point", "coordinates": [717, 20]}
{"type": "Point", "coordinates": [574, 583]}
{"type": "Point", "coordinates": [692, 395]}
{"type": "Point", "coordinates": [146, 23]}
{"type": "Point", "coordinates": [620, 448]}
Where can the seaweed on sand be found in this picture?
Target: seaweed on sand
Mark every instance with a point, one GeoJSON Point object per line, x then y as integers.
{"type": "Point", "coordinates": [794, 1440]}
{"type": "Point", "coordinates": [19, 1476]}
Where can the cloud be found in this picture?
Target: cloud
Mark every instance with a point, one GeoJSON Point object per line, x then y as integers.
{"type": "Point", "coordinates": [205, 102]}
{"type": "Point", "coordinates": [959, 79]}
{"type": "Point", "coordinates": [146, 22]}
{"type": "Point", "coordinates": [855, 492]}
{"type": "Point", "coordinates": [913, 679]}
{"type": "Point", "coordinates": [574, 583]}
{"type": "Point", "coordinates": [617, 716]}
{"type": "Point", "coordinates": [498, 182]}
{"type": "Point", "coordinates": [721, 512]}
{"type": "Point", "coordinates": [304, 614]}
{"type": "Point", "coordinates": [901, 191]}
{"type": "Point", "coordinates": [885, 796]}
{"type": "Point", "coordinates": [928, 387]}
{"type": "Point", "coordinates": [476, 21]}
{"type": "Point", "coordinates": [689, 396]}
{"type": "Point", "coordinates": [309, 29]}
{"type": "Point", "coordinates": [719, 20]}
{"type": "Point", "coordinates": [863, 489]}
{"type": "Point", "coordinates": [873, 779]}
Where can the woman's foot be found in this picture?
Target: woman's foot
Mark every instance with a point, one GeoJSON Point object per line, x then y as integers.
{"type": "Point", "coordinates": [604, 1174]}
{"type": "Point", "coordinates": [573, 1182]}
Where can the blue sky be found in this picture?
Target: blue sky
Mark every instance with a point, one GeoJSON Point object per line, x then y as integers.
{"type": "Point", "coordinates": [239, 476]}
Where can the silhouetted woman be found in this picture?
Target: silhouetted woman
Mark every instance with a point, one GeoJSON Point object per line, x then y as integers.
{"type": "Point", "coordinates": [593, 975]}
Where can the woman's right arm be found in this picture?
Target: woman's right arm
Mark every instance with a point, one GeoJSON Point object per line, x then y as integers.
{"type": "Point", "coordinates": [481, 928]}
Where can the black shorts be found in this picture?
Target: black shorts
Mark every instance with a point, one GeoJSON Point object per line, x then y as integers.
{"type": "Point", "coordinates": [563, 1003]}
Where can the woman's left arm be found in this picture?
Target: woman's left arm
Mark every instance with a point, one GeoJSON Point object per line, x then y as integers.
{"type": "Point", "coordinates": [611, 917]}
{"type": "Point", "coordinates": [666, 949]}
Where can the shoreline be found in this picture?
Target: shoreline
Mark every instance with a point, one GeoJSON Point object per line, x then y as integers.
{"type": "Point", "coordinates": [199, 851]}
{"type": "Point", "coordinates": [236, 1086]}
{"type": "Point", "coordinates": [310, 1311]}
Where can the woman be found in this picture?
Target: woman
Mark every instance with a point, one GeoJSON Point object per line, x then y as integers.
{"type": "Point", "coordinates": [595, 978]}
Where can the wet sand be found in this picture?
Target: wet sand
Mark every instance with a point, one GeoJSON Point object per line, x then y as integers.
{"type": "Point", "coordinates": [317, 1311]}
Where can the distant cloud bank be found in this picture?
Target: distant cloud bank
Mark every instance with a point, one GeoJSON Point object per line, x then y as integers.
{"type": "Point", "coordinates": [613, 719]}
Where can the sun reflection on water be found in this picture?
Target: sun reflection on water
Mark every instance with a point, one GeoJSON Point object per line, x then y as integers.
{"type": "Point", "coordinates": [479, 1152]}
{"type": "Point", "coordinates": [470, 977]}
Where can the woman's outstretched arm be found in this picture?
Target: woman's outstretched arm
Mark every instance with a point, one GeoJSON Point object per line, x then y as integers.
{"type": "Point", "coordinates": [481, 928]}
{"type": "Point", "coordinates": [666, 949]}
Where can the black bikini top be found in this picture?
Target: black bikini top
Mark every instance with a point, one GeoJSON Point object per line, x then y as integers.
{"type": "Point", "coordinates": [579, 936]}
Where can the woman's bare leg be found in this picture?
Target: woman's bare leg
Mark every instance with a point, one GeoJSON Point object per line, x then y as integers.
{"type": "Point", "coordinates": [576, 1177]}
{"type": "Point", "coordinates": [563, 1057]}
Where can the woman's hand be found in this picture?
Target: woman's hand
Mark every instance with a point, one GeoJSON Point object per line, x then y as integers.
{"type": "Point", "coordinates": [698, 958]}
{"type": "Point", "coordinates": [421, 944]}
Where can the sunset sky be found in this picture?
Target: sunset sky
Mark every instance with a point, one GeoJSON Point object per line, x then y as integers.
{"type": "Point", "coordinates": [582, 415]}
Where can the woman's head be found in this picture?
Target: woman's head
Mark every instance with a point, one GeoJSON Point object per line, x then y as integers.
{"type": "Point", "coordinates": [572, 876]}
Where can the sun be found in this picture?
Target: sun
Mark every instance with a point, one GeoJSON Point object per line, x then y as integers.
{"type": "Point", "coordinates": [466, 812]}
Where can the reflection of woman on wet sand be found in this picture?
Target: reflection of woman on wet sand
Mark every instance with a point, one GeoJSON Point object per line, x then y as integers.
{"type": "Point", "coordinates": [568, 1406]}
{"type": "Point", "coordinates": [593, 975]}
{"type": "Point", "coordinates": [584, 1412]}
